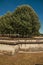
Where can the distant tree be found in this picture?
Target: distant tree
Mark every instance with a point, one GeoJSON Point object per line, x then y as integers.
{"type": "Point", "coordinates": [5, 27]}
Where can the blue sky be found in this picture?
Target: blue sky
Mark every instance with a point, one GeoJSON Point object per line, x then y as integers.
{"type": "Point", "coordinates": [10, 5]}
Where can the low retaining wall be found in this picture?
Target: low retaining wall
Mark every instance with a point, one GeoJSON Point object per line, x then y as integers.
{"type": "Point", "coordinates": [12, 49]}
{"type": "Point", "coordinates": [31, 47]}
{"type": "Point", "coordinates": [9, 49]}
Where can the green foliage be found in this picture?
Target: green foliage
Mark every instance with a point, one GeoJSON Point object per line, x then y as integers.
{"type": "Point", "coordinates": [23, 21]}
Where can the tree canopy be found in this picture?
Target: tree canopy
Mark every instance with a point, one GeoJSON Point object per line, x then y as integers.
{"type": "Point", "coordinates": [23, 21]}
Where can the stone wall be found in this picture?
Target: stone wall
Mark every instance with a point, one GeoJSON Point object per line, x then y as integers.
{"type": "Point", "coordinates": [12, 49]}
{"type": "Point", "coordinates": [31, 47]}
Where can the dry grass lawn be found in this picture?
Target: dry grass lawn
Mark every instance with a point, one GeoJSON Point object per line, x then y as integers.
{"type": "Point", "coordinates": [22, 59]}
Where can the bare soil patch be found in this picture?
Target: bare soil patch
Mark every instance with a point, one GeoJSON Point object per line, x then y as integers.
{"type": "Point", "coordinates": [22, 59]}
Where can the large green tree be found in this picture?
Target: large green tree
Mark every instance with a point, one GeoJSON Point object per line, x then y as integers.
{"type": "Point", "coordinates": [27, 19]}
{"type": "Point", "coordinates": [23, 21]}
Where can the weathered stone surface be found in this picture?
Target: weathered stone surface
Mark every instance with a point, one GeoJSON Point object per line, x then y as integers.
{"type": "Point", "coordinates": [12, 49]}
